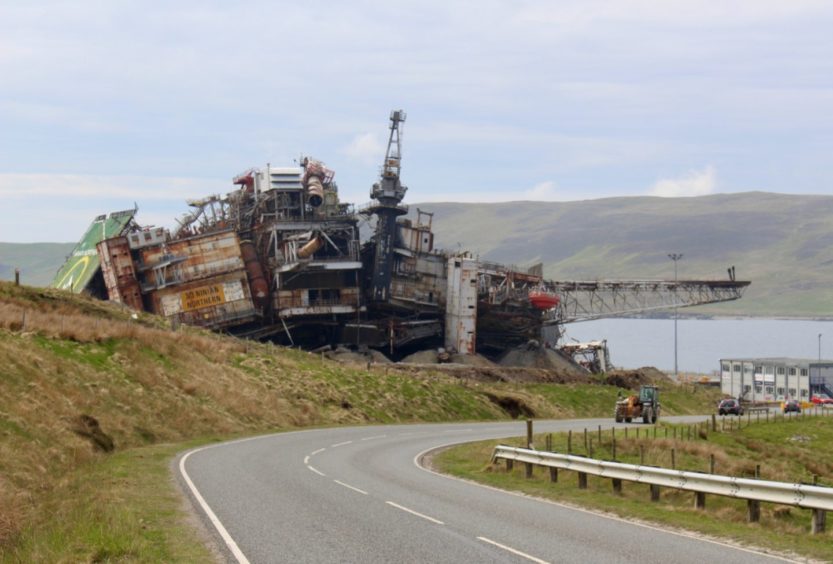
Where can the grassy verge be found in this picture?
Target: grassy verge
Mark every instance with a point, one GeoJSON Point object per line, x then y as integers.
{"type": "Point", "coordinates": [118, 508]}
{"type": "Point", "coordinates": [794, 450]}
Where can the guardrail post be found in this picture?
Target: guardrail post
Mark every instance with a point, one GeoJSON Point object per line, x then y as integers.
{"type": "Point", "coordinates": [509, 464]}
{"type": "Point", "coordinates": [714, 422]}
{"type": "Point", "coordinates": [582, 480]}
{"type": "Point", "coordinates": [753, 511]}
{"type": "Point", "coordinates": [819, 519]}
{"type": "Point", "coordinates": [529, 433]}
{"type": "Point", "coordinates": [654, 492]}
{"type": "Point", "coordinates": [617, 485]}
{"type": "Point", "coordinates": [553, 475]}
{"type": "Point", "coordinates": [548, 442]}
{"type": "Point", "coordinates": [528, 470]}
{"type": "Point", "coordinates": [699, 500]}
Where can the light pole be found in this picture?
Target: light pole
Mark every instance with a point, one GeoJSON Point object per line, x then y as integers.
{"type": "Point", "coordinates": [819, 348]}
{"type": "Point", "coordinates": [675, 257]}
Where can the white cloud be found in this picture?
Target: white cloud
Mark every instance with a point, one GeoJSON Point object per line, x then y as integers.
{"type": "Point", "coordinates": [365, 148]}
{"type": "Point", "coordinates": [694, 183]}
{"type": "Point", "coordinates": [13, 186]}
{"type": "Point", "coordinates": [543, 191]}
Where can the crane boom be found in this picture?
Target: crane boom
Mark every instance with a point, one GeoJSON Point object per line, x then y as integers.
{"type": "Point", "coordinates": [588, 300]}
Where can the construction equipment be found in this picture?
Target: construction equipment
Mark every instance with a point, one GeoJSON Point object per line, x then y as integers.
{"type": "Point", "coordinates": [644, 405]}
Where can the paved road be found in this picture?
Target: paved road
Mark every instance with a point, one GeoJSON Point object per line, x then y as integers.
{"type": "Point", "coordinates": [357, 495]}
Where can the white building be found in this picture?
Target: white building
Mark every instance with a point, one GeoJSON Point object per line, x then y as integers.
{"type": "Point", "coordinates": [775, 379]}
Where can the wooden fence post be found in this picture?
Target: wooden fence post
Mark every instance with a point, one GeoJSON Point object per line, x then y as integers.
{"type": "Point", "coordinates": [654, 492]}
{"type": "Point", "coordinates": [553, 475]}
{"type": "Point", "coordinates": [582, 481]}
{"type": "Point", "coordinates": [509, 464]}
{"type": "Point", "coordinates": [569, 442]}
{"type": "Point", "coordinates": [617, 485]}
{"type": "Point", "coordinates": [699, 500]}
{"type": "Point", "coordinates": [529, 433]}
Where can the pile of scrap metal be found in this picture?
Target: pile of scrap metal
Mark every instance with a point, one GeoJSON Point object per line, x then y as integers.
{"type": "Point", "coordinates": [280, 258]}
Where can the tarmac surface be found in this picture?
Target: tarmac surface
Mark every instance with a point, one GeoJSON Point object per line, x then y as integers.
{"type": "Point", "coordinates": [359, 494]}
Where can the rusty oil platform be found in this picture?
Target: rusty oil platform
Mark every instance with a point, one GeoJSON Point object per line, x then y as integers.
{"type": "Point", "coordinates": [280, 258]}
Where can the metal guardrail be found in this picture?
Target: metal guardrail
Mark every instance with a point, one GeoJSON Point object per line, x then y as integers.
{"type": "Point", "coordinates": [800, 495]}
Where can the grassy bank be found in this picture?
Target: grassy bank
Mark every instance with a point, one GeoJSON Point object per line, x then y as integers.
{"type": "Point", "coordinates": [94, 401]}
{"type": "Point", "coordinates": [794, 450]}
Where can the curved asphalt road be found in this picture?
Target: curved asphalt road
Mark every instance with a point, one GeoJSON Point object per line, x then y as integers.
{"type": "Point", "coordinates": [357, 495]}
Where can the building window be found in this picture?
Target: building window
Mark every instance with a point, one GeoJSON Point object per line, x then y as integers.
{"type": "Point", "coordinates": [736, 368]}
{"type": "Point", "coordinates": [804, 393]}
{"type": "Point", "coordinates": [804, 372]}
{"type": "Point", "coordinates": [780, 391]}
{"type": "Point", "coordinates": [769, 389]}
{"type": "Point", "coordinates": [792, 371]}
{"type": "Point", "coordinates": [792, 392]}
{"type": "Point", "coordinates": [746, 388]}
{"type": "Point", "coordinates": [726, 367]}
{"type": "Point", "coordinates": [780, 370]}
{"type": "Point", "coordinates": [758, 389]}
{"type": "Point", "coordinates": [769, 370]}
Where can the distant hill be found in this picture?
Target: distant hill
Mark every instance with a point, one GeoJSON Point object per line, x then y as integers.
{"type": "Point", "coordinates": [38, 262]}
{"type": "Point", "coordinates": [783, 243]}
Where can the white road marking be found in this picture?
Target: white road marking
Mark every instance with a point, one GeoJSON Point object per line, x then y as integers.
{"type": "Point", "coordinates": [374, 437]}
{"type": "Point", "coordinates": [232, 546]}
{"type": "Point", "coordinates": [348, 486]}
{"type": "Point", "coordinates": [319, 472]}
{"type": "Point", "coordinates": [513, 551]}
{"type": "Point", "coordinates": [306, 460]}
{"type": "Point", "coordinates": [340, 444]}
{"type": "Point", "coordinates": [412, 512]}
{"type": "Point", "coordinates": [313, 453]}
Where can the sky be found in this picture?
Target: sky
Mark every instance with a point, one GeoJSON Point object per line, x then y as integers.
{"type": "Point", "coordinates": [109, 104]}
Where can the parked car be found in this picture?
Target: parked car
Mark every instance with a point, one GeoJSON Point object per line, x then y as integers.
{"type": "Point", "coordinates": [821, 399]}
{"type": "Point", "coordinates": [729, 407]}
{"type": "Point", "coordinates": [792, 405]}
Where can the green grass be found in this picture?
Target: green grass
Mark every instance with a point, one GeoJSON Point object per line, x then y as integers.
{"type": "Point", "coordinates": [793, 451]}
{"type": "Point", "coordinates": [125, 509]}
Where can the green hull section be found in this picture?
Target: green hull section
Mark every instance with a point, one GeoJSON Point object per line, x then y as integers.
{"type": "Point", "coordinates": [83, 263]}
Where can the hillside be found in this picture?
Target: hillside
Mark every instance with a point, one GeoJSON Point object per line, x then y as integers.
{"type": "Point", "coordinates": [783, 243]}
{"type": "Point", "coordinates": [38, 262]}
{"type": "Point", "coordinates": [95, 401]}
